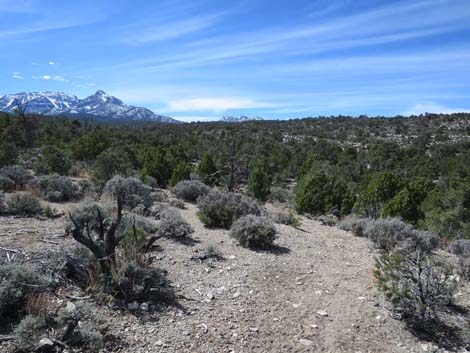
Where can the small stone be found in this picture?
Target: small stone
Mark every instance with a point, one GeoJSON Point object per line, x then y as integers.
{"type": "Point", "coordinates": [210, 295]}
{"type": "Point", "coordinates": [296, 305]}
{"type": "Point", "coordinates": [159, 343]}
{"type": "Point", "coordinates": [144, 306]}
{"type": "Point", "coordinates": [305, 342]}
{"type": "Point", "coordinates": [361, 298]}
{"type": "Point", "coordinates": [236, 295]}
{"type": "Point", "coordinates": [185, 333]}
{"type": "Point", "coordinates": [232, 257]}
{"type": "Point", "coordinates": [322, 313]}
{"type": "Point", "coordinates": [133, 306]}
{"type": "Point", "coordinates": [378, 317]}
{"type": "Point", "coordinates": [314, 326]}
{"type": "Point", "coordinates": [46, 342]}
{"type": "Point", "coordinates": [253, 329]}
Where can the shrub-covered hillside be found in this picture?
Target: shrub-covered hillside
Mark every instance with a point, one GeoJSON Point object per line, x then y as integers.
{"type": "Point", "coordinates": [416, 169]}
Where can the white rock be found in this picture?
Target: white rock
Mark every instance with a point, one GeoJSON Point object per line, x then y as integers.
{"type": "Point", "coordinates": [305, 342]}
{"type": "Point", "coordinates": [322, 313]}
{"type": "Point", "coordinates": [45, 344]}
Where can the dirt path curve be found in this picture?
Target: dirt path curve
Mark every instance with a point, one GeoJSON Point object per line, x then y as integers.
{"type": "Point", "coordinates": [316, 294]}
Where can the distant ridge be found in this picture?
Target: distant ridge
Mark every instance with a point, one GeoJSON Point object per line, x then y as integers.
{"type": "Point", "coordinates": [100, 104]}
{"type": "Point", "coordinates": [232, 119]}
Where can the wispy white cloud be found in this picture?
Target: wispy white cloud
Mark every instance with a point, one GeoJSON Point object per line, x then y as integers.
{"type": "Point", "coordinates": [60, 78]}
{"type": "Point", "coordinates": [52, 63]}
{"type": "Point", "coordinates": [391, 23]}
{"type": "Point", "coordinates": [44, 26]}
{"type": "Point", "coordinates": [215, 104]}
{"type": "Point", "coordinates": [42, 77]}
{"type": "Point", "coordinates": [17, 75]}
{"type": "Point", "coordinates": [17, 6]}
{"type": "Point", "coordinates": [169, 30]}
{"type": "Point", "coordinates": [190, 118]}
{"type": "Point", "coordinates": [432, 107]}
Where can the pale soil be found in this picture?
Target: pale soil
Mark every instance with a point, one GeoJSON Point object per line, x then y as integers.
{"type": "Point", "coordinates": [314, 293]}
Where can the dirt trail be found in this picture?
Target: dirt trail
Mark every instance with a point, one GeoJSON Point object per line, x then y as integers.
{"type": "Point", "coordinates": [314, 293]}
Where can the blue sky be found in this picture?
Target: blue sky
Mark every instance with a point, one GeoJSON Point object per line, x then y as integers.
{"type": "Point", "coordinates": [199, 60]}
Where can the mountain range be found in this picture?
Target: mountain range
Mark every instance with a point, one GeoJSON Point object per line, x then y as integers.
{"type": "Point", "coordinates": [100, 104]}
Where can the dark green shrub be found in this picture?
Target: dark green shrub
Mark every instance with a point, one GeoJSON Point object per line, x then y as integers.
{"type": "Point", "coordinates": [156, 164]}
{"type": "Point", "coordinates": [8, 153]}
{"type": "Point", "coordinates": [181, 172]}
{"type": "Point", "coordinates": [23, 205]}
{"type": "Point", "coordinates": [320, 194]}
{"type": "Point", "coordinates": [407, 203]}
{"type": "Point", "coordinates": [379, 191]}
{"type": "Point", "coordinates": [447, 210]}
{"type": "Point", "coordinates": [253, 232]}
{"type": "Point", "coordinates": [172, 225]}
{"type": "Point", "coordinates": [259, 183]}
{"type": "Point", "coordinates": [110, 163]}
{"type": "Point", "coordinates": [417, 285]}
{"type": "Point", "coordinates": [218, 209]}
{"type": "Point", "coordinates": [190, 190]}
{"type": "Point", "coordinates": [207, 170]}
{"type": "Point", "coordinates": [52, 160]}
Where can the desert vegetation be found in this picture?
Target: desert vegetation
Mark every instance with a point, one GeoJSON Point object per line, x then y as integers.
{"type": "Point", "coordinates": [120, 194]}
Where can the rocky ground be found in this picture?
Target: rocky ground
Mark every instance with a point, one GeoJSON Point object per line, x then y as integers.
{"type": "Point", "coordinates": [314, 292]}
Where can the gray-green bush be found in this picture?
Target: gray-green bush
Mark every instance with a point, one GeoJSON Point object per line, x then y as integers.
{"type": "Point", "coordinates": [19, 175]}
{"type": "Point", "coordinates": [460, 247]}
{"type": "Point", "coordinates": [218, 209]}
{"type": "Point", "coordinates": [6, 183]}
{"type": "Point", "coordinates": [29, 332]}
{"type": "Point", "coordinates": [17, 282]}
{"type": "Point", "coordinates": [172, 225]}
{"type": "Point", "coordinates": [387, 234]}
{"type": "Point", "coordinates": [57, 188]}
{"type": "Point", "coordinates": [23, 205]}
{"type": "Point", "coordinates": [253, 232]}
{"type": "Point", "coordinates": [129, 192]}
{"type": "Point", "coordinates": [190, 190]}
{"type": "Point", "coordinates": [355, 226]}
{"type": "Point", "coordinates": [416, 284]}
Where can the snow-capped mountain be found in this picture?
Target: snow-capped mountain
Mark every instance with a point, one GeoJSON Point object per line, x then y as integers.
{"type": "Point", "coordinates": [233, 119]}
{"type": "Point", "coordinates": [99, 104]}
